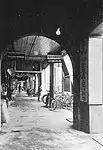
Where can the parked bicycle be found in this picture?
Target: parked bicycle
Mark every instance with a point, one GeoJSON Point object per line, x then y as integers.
{"type": "Point", "coordinates": [44, 97]}
{"type": "Point", "coordinates": [61, 100]}
{"type": "Point", "coordinates": [69, 104]}
{"type": "Point", "coordinates": [30, 92]}
{"type": "Point", "coordinates": [50, 102]}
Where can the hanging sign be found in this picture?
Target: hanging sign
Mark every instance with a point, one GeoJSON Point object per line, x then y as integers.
{"type": "Point", "coordinates": [54, 58]}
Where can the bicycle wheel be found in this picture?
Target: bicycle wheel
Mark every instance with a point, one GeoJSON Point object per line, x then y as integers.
{"type": "Point", "coordinates": [59, 104]}
{"type": "Point", "coordinates": [53, 105]}
{"type": "Point", "coordinates": [68, 104]}
{"type": "Point", "coordinates": [44, 97]}
{"type": "Point", "coordinates": [63, 102]}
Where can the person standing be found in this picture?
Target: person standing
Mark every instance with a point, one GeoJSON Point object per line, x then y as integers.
{"type": "Point", "coordinates": [9, 92]}
{"type": "Point", "coordinates": [4, 95]}
{"type": "Point", "coordinates": [19, 88]}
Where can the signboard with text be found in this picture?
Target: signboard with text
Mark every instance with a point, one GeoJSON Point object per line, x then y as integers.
{"type": "Point", "coordinates": [54, 58]}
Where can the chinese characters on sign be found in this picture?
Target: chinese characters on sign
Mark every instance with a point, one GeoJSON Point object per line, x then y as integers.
{"type": "Point", "coordinates": [54, 58]}
{"type": "Point", "coordinates": [83, 74]}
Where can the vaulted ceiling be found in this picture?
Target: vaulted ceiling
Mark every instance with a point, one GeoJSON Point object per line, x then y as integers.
{"type": "Point", "coordinates": [33, 46]}
{"type": "Point", "coordinates": [76, 18]}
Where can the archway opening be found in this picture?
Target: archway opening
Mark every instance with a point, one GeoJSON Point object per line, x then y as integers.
{"type": "Point", "coordinates": [34, 64]}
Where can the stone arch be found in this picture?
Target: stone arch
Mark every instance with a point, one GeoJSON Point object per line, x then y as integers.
{"type": "Point", "coordinates": [75, 60]}
{"type": "Point", "coordinates": [47, 36]}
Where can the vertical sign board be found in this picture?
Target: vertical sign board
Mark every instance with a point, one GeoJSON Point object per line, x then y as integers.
{"type": "Point", "coordinates": [84, 71]}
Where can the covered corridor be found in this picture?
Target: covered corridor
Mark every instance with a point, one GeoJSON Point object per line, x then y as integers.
{"type": "Point", "coordinates": [34, 39]}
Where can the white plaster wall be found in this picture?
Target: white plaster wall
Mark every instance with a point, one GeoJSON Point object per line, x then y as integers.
{"type": "Point", "coordinates": [27, 82]}
{"type": "Point", "coordinates": [45, 80]}
{"type": "Point", "coordinates": [36, 88]}
{"type": "Point", "coordinates": [95, 70]}
{"type": "Point", "coordinates": [58, 77]}
{"type": "Point", "coordinates": [96, 118]}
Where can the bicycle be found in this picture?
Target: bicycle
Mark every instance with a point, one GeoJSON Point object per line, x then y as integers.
{"type": "Point", "coordinates": [70, 102]}
{"type": "Point", "coordinates": [30, 92]}
{"type": "Point", "coordinates": [49, 101]}
{"type": "Point", "coordinates": [44, 97]}
{"type": "Point", "coordinates": [62, 101]}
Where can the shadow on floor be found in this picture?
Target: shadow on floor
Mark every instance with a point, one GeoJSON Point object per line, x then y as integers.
{"type": "Point", "coordinates": [2, 132]}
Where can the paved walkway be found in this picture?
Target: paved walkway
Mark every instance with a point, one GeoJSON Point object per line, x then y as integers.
{"type": "Point", "coordinates": [34, 127]}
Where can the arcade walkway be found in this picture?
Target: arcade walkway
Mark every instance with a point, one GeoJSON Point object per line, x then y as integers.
{"type": "Point", "coordinates": [34, 127]}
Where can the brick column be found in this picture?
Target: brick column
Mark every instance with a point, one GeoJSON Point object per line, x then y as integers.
{"type": "Point", "coordinates": [76, 91]}
{"type": "Point", "coordinates": [88, 98]}
{"type": "Point", "coordinates": [84, 107]}
{"type": "Point", "coordinates": [80, 88]}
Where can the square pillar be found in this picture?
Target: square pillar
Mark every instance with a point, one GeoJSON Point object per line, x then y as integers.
{"type": "Point", "coordinates": [90, 105]}
{"type": "Point", "coordinates": [84, 91]}
{"type": "Point", "coordinates": [76, 91]}
{"type": "Point", "coordinates": [52, 78]}
{"type": "Point", "coordinates": [39, 86]}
